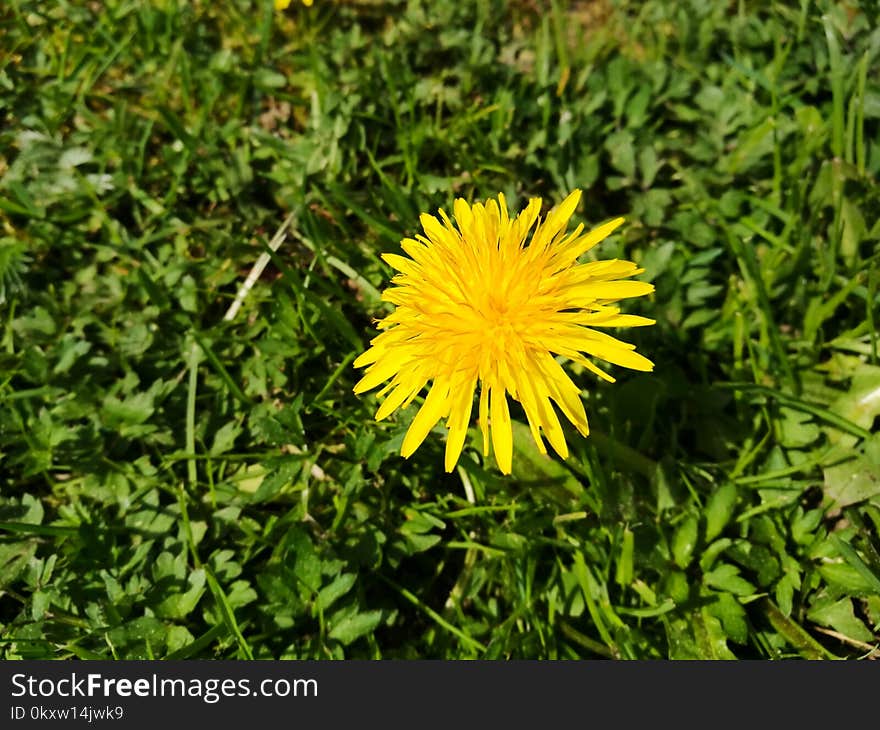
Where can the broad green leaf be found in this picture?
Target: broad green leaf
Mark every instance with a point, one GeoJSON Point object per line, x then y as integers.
{"type": "Point", "coordinates": [852, 482]}
{"type": "Point", "coordinates": [351, 628]}
{"type": "Point", "coordinates": [332, 592]}
{"type": "Point", "coordinates": [839, 616]}
{"type": "Point", "coordinates": [726, 577]}
{"type": "Point", "coordinates": [684, 541]}
{"type": "Point", "coordinates": [719, 510]}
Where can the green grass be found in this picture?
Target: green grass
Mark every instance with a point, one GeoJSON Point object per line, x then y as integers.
{"type": "Point", "coordinates": [174, 484]}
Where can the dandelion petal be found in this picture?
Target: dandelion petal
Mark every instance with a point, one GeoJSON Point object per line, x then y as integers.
{"type": "Point", "coordinates": [427, 417]}
{"type": "Point", "coordinates": [502, 433]}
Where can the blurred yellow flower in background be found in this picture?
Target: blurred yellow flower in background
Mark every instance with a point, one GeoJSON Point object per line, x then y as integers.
{"type": "Point", "coordinates": [282, 4]}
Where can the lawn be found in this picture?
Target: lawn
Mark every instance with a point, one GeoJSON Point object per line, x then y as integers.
{"type": "Point", "coordinates": [183, 476]}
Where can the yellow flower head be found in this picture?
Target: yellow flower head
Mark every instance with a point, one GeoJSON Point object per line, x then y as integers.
{"type": "Point", "coordinates": [478, 304]}
{"type": "Point", "coordinates": [282, 4]}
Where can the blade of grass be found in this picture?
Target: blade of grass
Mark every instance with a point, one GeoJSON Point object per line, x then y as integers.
{"type": "Point", "coordinates": [221, 370]}
{"type": "Point", "coordinates": [794, 634]}
{"type": "Point", "coordinates": [258, 267]}
{"type": "Point", "coordinates": [839, 422]}
{"type": "Point", "coordinates": [203, 642]}
{"type": "Point", "coordinates": [227, 614]}
{"type": "Point", "coordinates": [468, 641]}
{"type": "Point", "coordinates": [836, 74]}
{"type": "Point", "coordinates": [851, 557]}
{"type": "Point", "coordinates": [25, 528]}
{"type": "Point", "coordinates": [585, 641]}
{"type": "Point", "coordinates": [748, 262]}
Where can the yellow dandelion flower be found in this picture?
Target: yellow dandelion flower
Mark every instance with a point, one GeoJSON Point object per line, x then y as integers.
{"type": "Point", "coordinates": [283, 4]}
{"type": "Point", "coordinates": [479, 304]}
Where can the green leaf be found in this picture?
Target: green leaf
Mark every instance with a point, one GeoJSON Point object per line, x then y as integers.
{"type": "Point", "coordinates": [711, 639]}
{"type": "Point", "coordinates": [839, 616]}
{"type": "Point", "coordinates": [797, 429]}
{"type": "Point", "coordinates": [621, 148]}
{"type": "Point", "coordinates": [719, 509]}
{"type": "Point", "coordinates": [794, 634]}
{"type": "Point", "coordinates": [848, 579]}
{"type": "Point", "coordinates": [306, 563]}
{"type": "Point", "coordinates": [420, 543]}
{"type": "Point", "coordinates": [684, 541]}
{"type": "Point", "coordinates": [852, 557]}
{"type": "Point", "coordinates": [180, 605]}
{"type": "Point", "coordinates": [726, 577]}
{"type": "Point", "coordinates": [732, 616]}
{"type": "Point", "coordinates": [332, 592]}
{"type": "Point", "coordinates": [351, 628]}
{"type": "Point", "coordinates": [224, 438]}
{"type": "Point", "coordinates": [852, 482]}
{"type": "Point", "coordinates": [135, 409]}
{"type": "Point", "coordinates": [861, 404]}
